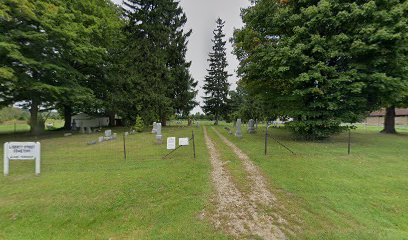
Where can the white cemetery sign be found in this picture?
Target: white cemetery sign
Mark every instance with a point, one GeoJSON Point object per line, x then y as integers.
{"type": "Point", "coordinates": [183, 141]}
{"type": "Point", "coordinates": [171, 143]}
{"type": "Point", "coordinates": [22, 151]}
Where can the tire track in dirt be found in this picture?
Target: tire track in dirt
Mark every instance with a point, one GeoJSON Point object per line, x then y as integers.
{"type": "Point", "coordinates": [235, 213]}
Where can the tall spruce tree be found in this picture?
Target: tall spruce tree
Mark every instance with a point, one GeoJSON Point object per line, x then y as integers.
{"type": "Point", "coordinates": [159, 83]}
{"type": "Point", "coordinates": [325, 62]}
{"type": "Point", "coordinates": [216, 82]}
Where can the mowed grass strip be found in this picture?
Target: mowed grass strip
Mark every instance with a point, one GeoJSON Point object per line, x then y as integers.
{"type": "Point", "coordinates": [91, 192]}
{"type": "Point", "coordinates": [338, 196]}
{"type": "Point", "coordinates": [231, 162]}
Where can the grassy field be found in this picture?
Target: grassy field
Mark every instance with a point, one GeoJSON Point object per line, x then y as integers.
{"type": "Point", "coordinates": [22, 126]}
{"type": "Point", "coordinates": [91, 192]}
{"type": "Point", "coordinates": [335, 195]}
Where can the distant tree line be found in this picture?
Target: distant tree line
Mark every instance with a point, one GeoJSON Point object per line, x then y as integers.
{"type": "Point", "coordinates": [95, 57]}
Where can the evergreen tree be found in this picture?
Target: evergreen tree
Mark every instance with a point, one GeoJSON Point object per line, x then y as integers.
{"type": "Point", "coordinates": [216, 82]}
{"type": "Point", "coordinates": [325, 62]}
{"type": "Point", "coordinates": [157, 75]}
{"type": "Point", "coordinates": [50, 52]}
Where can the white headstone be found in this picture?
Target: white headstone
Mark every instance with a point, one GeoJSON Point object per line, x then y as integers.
{"type": "Point", "coordinates": [183, 141]}
{"type": "Point", "coordinates": [154, 130]}
{"type": "Point", "coordinates": [171, 143]}
{"type": "Point", "coordinates": [100, 139]}
{"type": "Point", "coordinates": [22, 151]}
{"type": "Point", "coordinates": [159, 137]}
{"type": "Point", "coordinates": [108, 133]}
{"type": "Point", "coordinates": [158, 128]}
{"type": "Point", "coordinates": [238, 133]}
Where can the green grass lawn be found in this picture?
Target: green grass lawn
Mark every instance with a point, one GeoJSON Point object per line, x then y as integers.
{"type": "Point", "coordinates": [14, 126]}
{"type": "Point", "coordinates": [22, 126]}
{"type": "Point", "coordinates": [338, 196]}
{"type": "Point", "coordinates": [91, 192]}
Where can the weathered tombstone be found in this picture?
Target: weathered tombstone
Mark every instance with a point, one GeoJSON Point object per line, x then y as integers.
{"type": "Point", "coordinates": [92, 142]}
{"type": "Point", "coordinates": [154, 130]}
{"type": "Point", "coordinates": [108, 133]}
{"type": "Point", "coordinates": [238, 133]}
{"type": "Point", "coordinates": [159, 137]}
{"type": "Point", "coordinates": [100, 139]}
{"type": "Point", "coordinates": [198, 124]}
{"type": "Point", "coordinates": [251, 126]}
{"type": "Point", "coordinates": [82, 130]}
{"type": "Point", "coordinates": [114, 136]}
{"type": "Point", "coordinates": [67, 134]}
{"type": "Point", "coordinates": [89, 130]}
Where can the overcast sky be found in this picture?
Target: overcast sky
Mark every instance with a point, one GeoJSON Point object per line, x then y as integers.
{"type": "Point", "coordinates": [202, 15]}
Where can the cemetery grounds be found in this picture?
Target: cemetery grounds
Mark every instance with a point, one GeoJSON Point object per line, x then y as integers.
{"type": "Point", "coordinates": [320, 192]}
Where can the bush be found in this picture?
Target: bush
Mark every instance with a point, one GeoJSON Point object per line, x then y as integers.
{"type": "Point", "coordinates": [314, 129]}
{"type": "Point", "coordinates": [139, 125]}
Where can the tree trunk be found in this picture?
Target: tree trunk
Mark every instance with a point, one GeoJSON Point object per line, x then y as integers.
{"type": "Point", "coordinates": [163, 120]}
{"type": "Point", "coordinates": [389, 121]}
{"type": "Point", "coordinates": [112, 122]}
{"type": "Point", "coordinates": [67, 117]}
{"type": "Point", "coordinates": [35, 127]}
{"type": "Point", "coordinates": [216, 119]}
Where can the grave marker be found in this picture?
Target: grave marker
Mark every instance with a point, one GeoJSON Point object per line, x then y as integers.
{"type": "Point", "coordinates": [171, 143]}
{"type": "Point", "coordinates": [251, 126]}
{"type": "Point", "coordinates": [154, 130]}
{"type": "Point", "coordinates": [238, 133]}
{"type": "Point", "coordinates": [159, 137]}
{"type": "Point", "coordinates": [183, 141]}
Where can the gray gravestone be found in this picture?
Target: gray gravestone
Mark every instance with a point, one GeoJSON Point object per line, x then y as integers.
{"type": "Point", "coordinates": [159, 137]}
{"type": "Point", "coordinates": [251, 126]}
{"type": "Point", "coordinates": [89, 130]}
{"type": "Point", "coordinates": [154, 130]}
{"type": "Point", "coordinates": [238, 133]}
{"type": "Point", "coordinates": [82, 129]}
{"type": "Point", "coordinates": [108, 133]}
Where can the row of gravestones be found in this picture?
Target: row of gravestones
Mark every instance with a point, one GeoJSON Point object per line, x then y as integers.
{"type": "Point", "coordinates": [251, 127]}
{"type": "Point", "coordinates": [107, 137]}
{"type": "Point", "coordinates": [157, 127]}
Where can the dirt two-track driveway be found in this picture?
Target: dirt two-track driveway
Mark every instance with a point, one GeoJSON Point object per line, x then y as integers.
{"type": "Point", "coordinates": [239, 214]}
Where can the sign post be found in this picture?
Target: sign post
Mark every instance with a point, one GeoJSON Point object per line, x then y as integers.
{"type": "Point", "coordinates": [194, 148]}
{"type": "Point", "coordinates": [22, 151]}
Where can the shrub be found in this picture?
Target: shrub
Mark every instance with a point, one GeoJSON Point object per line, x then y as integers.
{"type": "Point", "coordinates": [139, 125]}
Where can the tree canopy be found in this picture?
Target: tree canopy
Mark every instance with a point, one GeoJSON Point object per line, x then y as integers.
{"type": "Point", "coordinates": [324, 62]}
